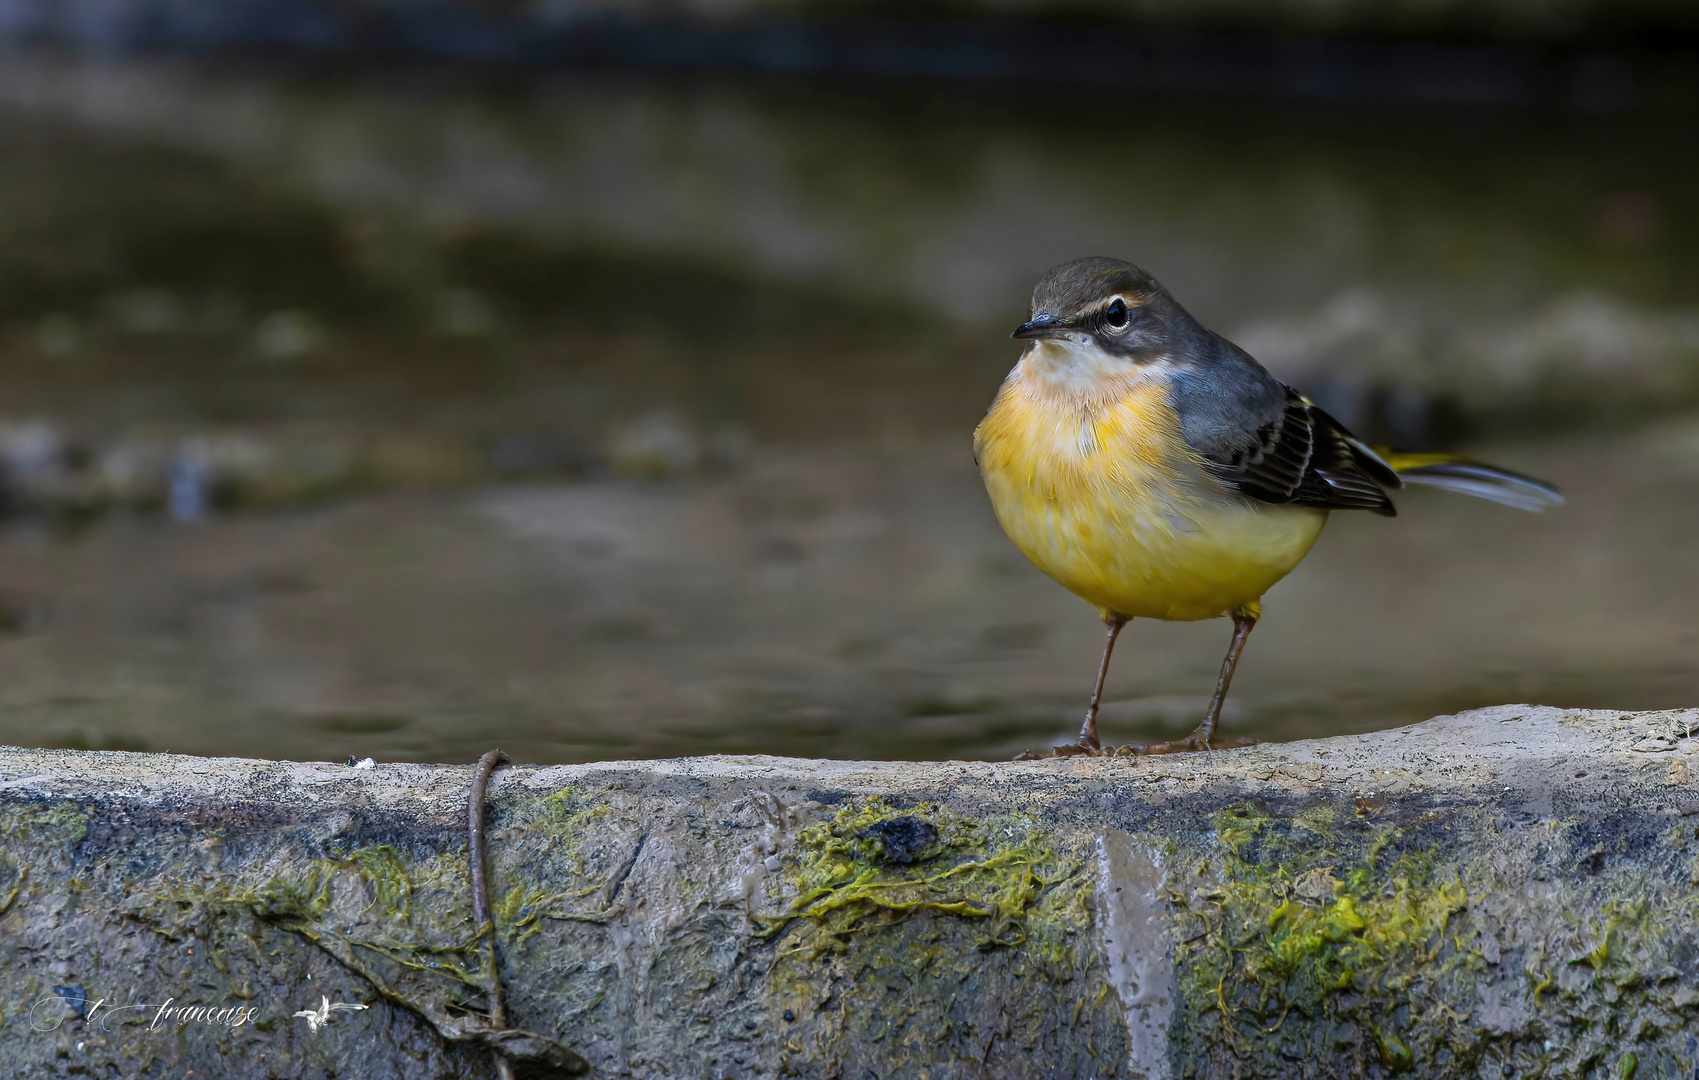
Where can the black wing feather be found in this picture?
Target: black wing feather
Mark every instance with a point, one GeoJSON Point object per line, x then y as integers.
{"type": "Point", "coordinates": [1307, 457]}
{"type": "Point", "coordinates": [1264, 439]}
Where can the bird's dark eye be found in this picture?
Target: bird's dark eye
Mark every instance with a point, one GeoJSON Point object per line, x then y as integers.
{"type": "Point", "coordinates": [1116, 316]}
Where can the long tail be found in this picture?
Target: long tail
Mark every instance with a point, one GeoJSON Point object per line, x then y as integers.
{"type": "Point", "coordinates": [1472, 478]}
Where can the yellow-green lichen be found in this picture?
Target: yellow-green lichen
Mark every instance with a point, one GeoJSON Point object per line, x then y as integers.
{"type": "Point", "coordinates": [13, 873]}
{"type": "Point", "coordinates": [881, 903]}
{"type": "Point", "coordinates": [416, 915]}
{"type": "Point", "coordinates": [846, 883]}
{"type": "Point", "coordinates": [47, 833]}
{"type": "Point", "coordinates": [1393, 1053]}
{"type": "Point", "coordinates": [58, 825]}
{"type": "Point", "coordinates": [564, 823]}
{"type": "Point", "coordinates": [1308, 923]}
{"type": "Point", "coordinates": [1542, 981]}
{"type": "Point", "coordinates": [564, 818]}
{"type": "Point", "coordinates": [1354, 946]}
{"type": "Point", "coordinates": [414, 911]}
{"type": "Point", "coordinates": [1617, 914]}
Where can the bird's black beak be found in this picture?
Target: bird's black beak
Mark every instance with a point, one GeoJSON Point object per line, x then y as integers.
{"type": "Point", "coordinates": [1042, 326]}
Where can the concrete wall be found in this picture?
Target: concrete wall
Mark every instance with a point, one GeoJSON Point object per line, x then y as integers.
{"type": "Point", "coordinates": [1507, 889]}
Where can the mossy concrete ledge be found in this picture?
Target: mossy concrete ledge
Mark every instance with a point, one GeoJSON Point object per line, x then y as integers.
{"type": "Point", "coordinates": [1507, 892]}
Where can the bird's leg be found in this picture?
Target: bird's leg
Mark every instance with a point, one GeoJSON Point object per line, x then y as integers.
{"type": "Point", "coordinates": [1088, 730]}
{"type": "Point", "coordinates": [1088, 742]}
{"type": "Point", "coordinates": [1200, 739]}
{"type": "Point", "coordinates": [1243, 622]}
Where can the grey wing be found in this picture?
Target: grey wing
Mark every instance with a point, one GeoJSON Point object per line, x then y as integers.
{"type": "Point", "coordinates": [1270, 443]}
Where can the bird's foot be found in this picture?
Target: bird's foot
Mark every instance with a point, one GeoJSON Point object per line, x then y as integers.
{"type": "Point", "coordinates": [1193, 743]}
{"type": "Point", "coordinates": [1080, 748]}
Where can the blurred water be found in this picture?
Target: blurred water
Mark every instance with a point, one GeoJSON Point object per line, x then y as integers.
{"type": "Point", "coordinates": [410, 414]}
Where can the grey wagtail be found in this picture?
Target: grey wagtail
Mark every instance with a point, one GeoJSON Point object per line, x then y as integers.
{"type": "Point", "coordinates": [1152, 467]}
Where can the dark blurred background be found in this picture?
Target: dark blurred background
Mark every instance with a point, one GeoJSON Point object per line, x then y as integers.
{"type": "Point", "coordinates": [409, 377]}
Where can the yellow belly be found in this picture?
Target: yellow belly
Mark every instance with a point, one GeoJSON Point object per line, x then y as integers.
{"type": "Point", "coordinates": [1105, 498]}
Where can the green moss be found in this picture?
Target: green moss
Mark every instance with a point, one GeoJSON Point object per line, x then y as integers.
{"type": "Point", "coordinates": [881, 900]}
{"type": "Point", "coordinates": [316, 899]}
{"type": "Point", "coordinates": [414, 912]}
{"type": "Point", "coordinates": [1352, 946]}
{"type": "Point", "coordinates": [1393, 1053]}
{"type": "Point", "coordinates": [310, 894]}
{"type": "Point", "coordinates": [847, 881]}
{"type": "Point", "coordinates": [1616, 915]}
{"type": "Point", "coordinates": [59, 825]}
{"type": "Point", "coordinates": [565, 817]}
{"type": "Point", "coordinates": [1542, 981]}
{"type": "Point", "coordinates": [47, 832]}
{"type": "Point", "coordinates": [563, 821]}
{"type": "Point", "coordinates": [1317, 819]}
{"type": "Point", "coordinates": [1318, 924]}
{"type": "Point", "coordinates": [13, 874]}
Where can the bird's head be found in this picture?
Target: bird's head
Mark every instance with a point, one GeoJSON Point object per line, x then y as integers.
{"type": "Point", "coordinates": [1107, 303]}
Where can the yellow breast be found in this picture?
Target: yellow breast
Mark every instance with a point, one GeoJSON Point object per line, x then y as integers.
{"type": "Point", "coordinates": [1100, 491]}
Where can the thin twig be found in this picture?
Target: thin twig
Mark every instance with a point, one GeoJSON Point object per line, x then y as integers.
{"type": "Point", "coordinates": [481, 899]}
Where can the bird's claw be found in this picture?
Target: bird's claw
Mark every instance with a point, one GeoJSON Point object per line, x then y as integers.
{"type": "Point", "coordinates": [1073, 749]}
{"type": "Point", "coordinates": [1077, 749]}
{"type": "Point", "coordinates": [1191, 744]}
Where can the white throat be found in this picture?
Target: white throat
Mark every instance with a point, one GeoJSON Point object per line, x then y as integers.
{"type": "Point", "coordinates": [1076, 366]}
